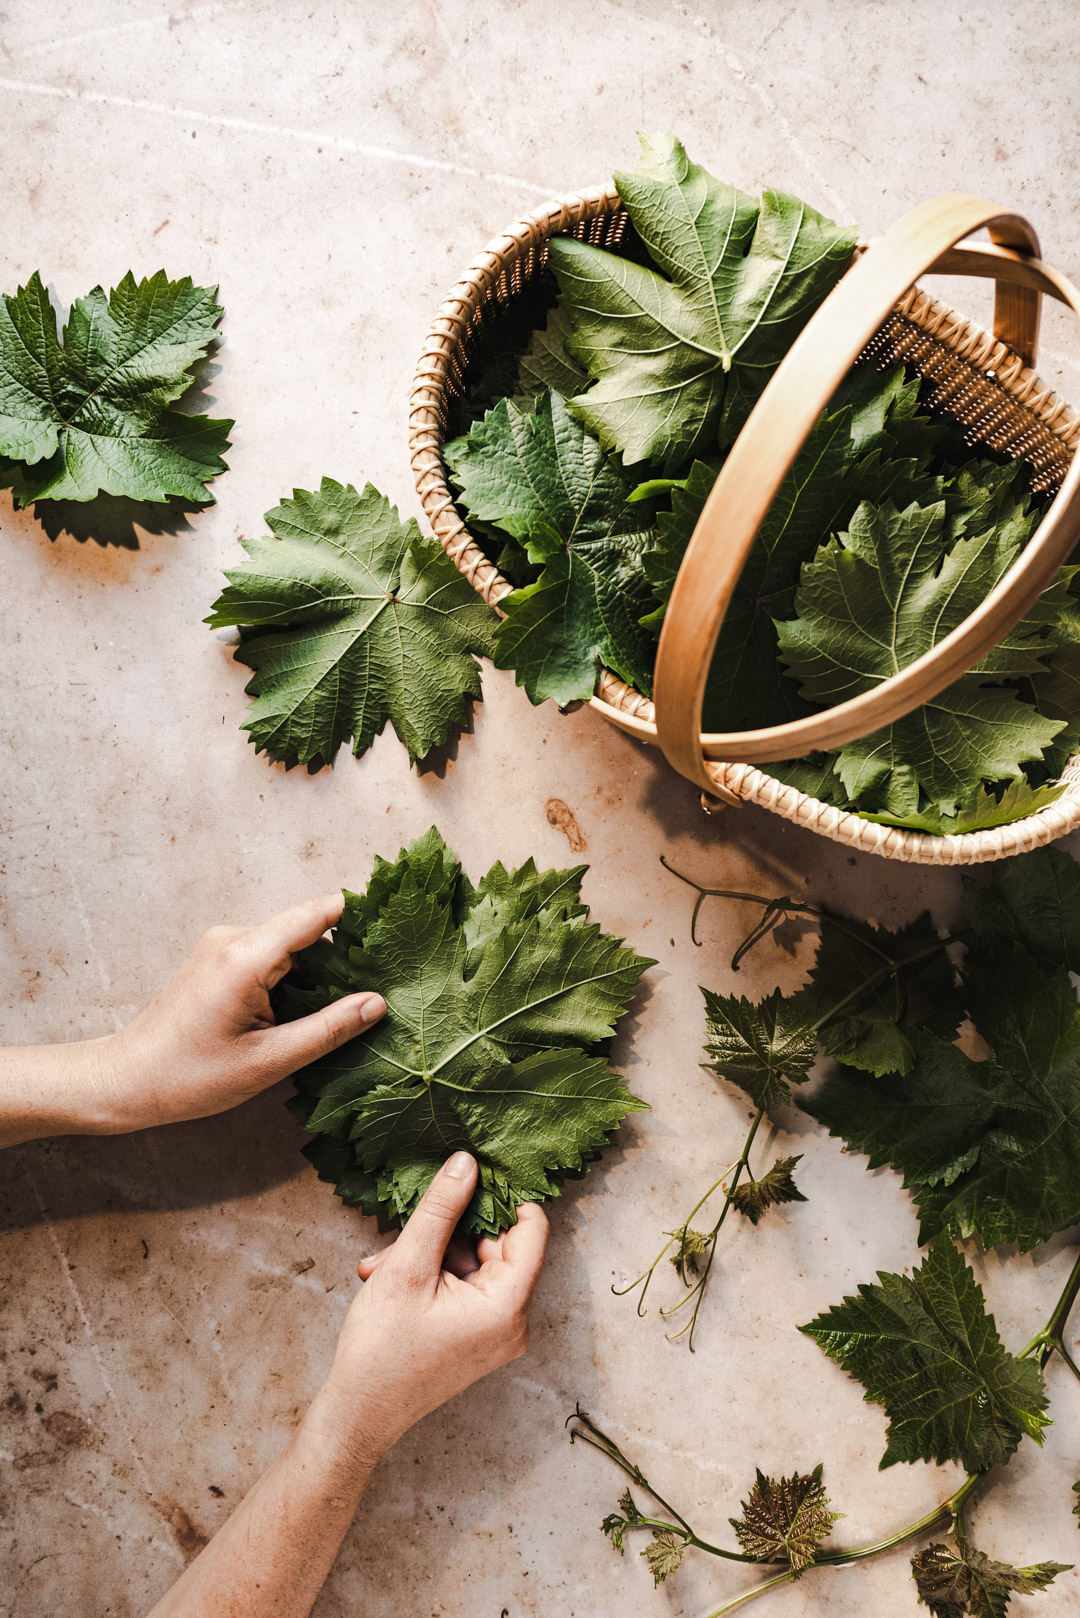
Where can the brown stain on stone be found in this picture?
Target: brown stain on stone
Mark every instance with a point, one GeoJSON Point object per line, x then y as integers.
{"type": "Point", "coordinates": [188, 1535]}
{"type": "Point", "coordinates": [562, 817]}
{"type": "Point", "coordinates": [69, 1431]}
{"type": "Point", "coordinates": [14, 1404]}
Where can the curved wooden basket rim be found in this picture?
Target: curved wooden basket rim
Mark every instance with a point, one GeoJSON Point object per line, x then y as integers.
{"type": "Point", "coordinates": [765, 449]}
{"type": "Point", "coordinates": [621, 705]}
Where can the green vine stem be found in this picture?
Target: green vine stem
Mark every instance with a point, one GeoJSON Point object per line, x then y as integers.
{"type": "Point", "coordinates": [948, 1514]}
{"type": "Point", "coordinates": [773, 910]}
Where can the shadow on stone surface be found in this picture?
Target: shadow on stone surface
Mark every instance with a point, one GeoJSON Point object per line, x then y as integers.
{"type": "Point", "coordinates": [191, 1165]}
{"type": "Point", "coordinates": [112, 519]}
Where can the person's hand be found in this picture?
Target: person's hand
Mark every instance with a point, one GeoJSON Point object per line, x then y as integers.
{"type": "Point", "coordinates": [209, 1040]}
{"type": "Point", "coordinates": [417, 1334]}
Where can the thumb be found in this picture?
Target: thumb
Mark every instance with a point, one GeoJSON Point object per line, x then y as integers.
{"type": "Point", "coordinates": [421, 1247]}
{"type": "Point", "coordinates": [293, 1045]}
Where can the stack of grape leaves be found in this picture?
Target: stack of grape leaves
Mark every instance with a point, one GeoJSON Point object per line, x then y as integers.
{"type": "Point", "coordinates": [591, 441]}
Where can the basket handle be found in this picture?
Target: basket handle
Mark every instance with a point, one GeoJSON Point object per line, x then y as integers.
{"type": "Point", "coordinates": [776, 430]}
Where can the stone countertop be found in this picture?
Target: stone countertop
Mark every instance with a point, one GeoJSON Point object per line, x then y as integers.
{"type": "Point", "coordinates": [171, 1299]}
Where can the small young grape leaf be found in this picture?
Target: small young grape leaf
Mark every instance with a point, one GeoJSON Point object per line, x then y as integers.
{"type": "Point", "coordinates": [763, 1048]}
{"type": "Point", "coordinates": [788, 1519]}
{"type": "Point", "coordinates": [664, 1554]}
{"type": "Point", "coordinates": [90, 410]}
{"type": "Point", "coordinates": [992, 1148]}
{"type": "Point", "coordinates": [616, 1523]}
{"type": "Point", "coordinates": [876, 599]}
{"type": "Point", "coordinates": [351, 617]}
{"type": "Point", "coordinates": [691, 1249]}
{"type": "Point", "coordinates": [1076, 1507]}
{"type": "Point", "coordinates": [1035, 899]}
{"type": "Point", "coordinates": [924, 1347]}
{"type": "Point", "coordinates": [682, 351]}
{"type": "Point", "coordinates": [497, 999]}
{"type": "Point", "coordinates": [753, 1198]}
{"type": "Point", "coordinates": [539, 477]}
{"type": "Point", "coordinates": [964, 1581]}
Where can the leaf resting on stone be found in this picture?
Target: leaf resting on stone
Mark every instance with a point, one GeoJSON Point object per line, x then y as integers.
{"type": "Point", "coordinates": [91, 410]}
{"type": "Point", "coordinates": [500, 1001]}
{"type": "Point", "coordinates": [786, 1519]}
{"type": "Point", "coordinates": [925, 1349]}
{"type": "Point", "coordinates": [351, 617]}
{"type": "Point", "coordinates": [965, 1583]}
{"type": "Point", "coordinates": [753, 1198]}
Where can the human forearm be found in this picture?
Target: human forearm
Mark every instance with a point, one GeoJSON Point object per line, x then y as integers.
{"type": "Point", "coordinates": [56, 1090]}
{"type": "Point", "coordinates": [272, 1556]}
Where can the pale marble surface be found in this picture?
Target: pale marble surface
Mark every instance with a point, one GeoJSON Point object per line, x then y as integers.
{"type": "Point", "coordinates": [332, 166]}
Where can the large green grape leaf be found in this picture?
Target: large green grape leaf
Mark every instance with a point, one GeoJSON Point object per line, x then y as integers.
{"type": "Point", "coordinates": [884, 593]}
{"type": "Point", "coordinates": [869, 446]}
{"type": "Point", "coordinates": [925, 1348]}
{"type": "Point", "coordinates": [991, 1147]}
{"type": "Point", "coordinates": [89, 411]}
{"type": "Point", "coordinates": [537, 475]}
{"type": "Point", "coordinates": [499, 999]}
{"type": "Point", "coordinates": [351, 617]}
{"type": "Point", "coordinates": [681, 352]}
{"type": "Point", "coordinates": [1034, 899]}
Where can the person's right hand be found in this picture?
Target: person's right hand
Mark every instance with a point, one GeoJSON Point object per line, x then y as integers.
{"type": "Point", "coordinates": [417, 1334]}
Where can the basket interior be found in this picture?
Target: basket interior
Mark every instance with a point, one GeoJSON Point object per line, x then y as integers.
{"type": "Point", "coordinates": [952, 354]}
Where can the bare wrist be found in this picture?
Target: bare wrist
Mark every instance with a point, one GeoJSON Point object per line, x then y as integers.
{"type": "Point", "coordinates": [59, 1090]}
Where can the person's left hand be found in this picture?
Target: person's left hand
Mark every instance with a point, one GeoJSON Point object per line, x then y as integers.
{"type": "Point", "coordinates": [209, 1040]}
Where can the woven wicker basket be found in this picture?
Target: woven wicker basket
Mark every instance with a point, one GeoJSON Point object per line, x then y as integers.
{"type": "Point", "coordinates": [982, 381]}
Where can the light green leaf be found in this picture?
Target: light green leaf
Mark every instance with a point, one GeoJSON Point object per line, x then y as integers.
{"type": "Point", "coordinates": [981, 809]}
{"type": "Point", "coordinates": [90, 411]}
{"type": "Point", "coordinates": [352, 617]}
{"type": "Point", "coordinates": [497, 999]}
{"type": "Point", "coordinates": [681, 352]}
{"type": "Point", "coordinates": [924, 1347]}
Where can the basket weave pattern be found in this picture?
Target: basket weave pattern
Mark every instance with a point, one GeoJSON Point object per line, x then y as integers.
{"type": "Point", "coordinates": [977, 379]}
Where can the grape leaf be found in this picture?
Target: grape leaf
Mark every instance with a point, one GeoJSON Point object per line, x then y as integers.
{"type": "Point", "coordinates": [953, 1583]}
{"type": "Point", "coordinates": [763, 1048]}
{"type": "Point", "coordinates": [680, 353]}
{"type": "Point", "coordinates": [1034, 899]}
{"type": "Point", "coordinates": [664, 1554]}
{"type": "Point", "coordinates": [785, 1519]}
{"type": "Point", "coordinates": [498, 998]}
{"type": "Point", "coordinates": [877, 984]}
{"type": "Point", "coordinates": [546, 363]}
{"type": "Point", "coordinates": [992, 1147]}
{"type": "Point", "coordinates": [977, 810]}
{"type": "Point", "coordinates": [850, 456]}
{"type": "Point", "coordinates": [872, 602]}
{"type": "Point", "coordinates": [924, 1347]}
{"type": "Point", "coordinates": [753, 1198]}
{"type": "Point", "coordinates": [350, 618]}
{"type": "Point", "coordinates": [539, 477]}
{"type": "Point", "coordinates": [89, 411]}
